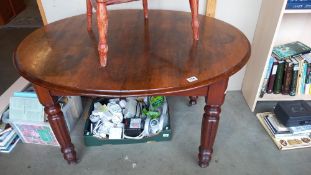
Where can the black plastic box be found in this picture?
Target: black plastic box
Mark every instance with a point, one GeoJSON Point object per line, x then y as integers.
{"type": "Point", "coordinates": [293, 113]}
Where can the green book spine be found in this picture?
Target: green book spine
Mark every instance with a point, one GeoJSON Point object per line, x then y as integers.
{"type": "Point", "coordinates": [277, 87]}
{"type": "Point", "coordinates": [303, 78]}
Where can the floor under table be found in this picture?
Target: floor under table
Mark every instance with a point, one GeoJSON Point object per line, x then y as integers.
{"type": "Point", "coordinates": [242, 147]}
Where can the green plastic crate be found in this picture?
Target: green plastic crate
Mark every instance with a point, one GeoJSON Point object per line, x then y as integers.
{"type": "Point", "coordinates": [90, 140]}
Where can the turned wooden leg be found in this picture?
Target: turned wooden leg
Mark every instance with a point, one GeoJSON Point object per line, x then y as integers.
{"type": "Point", "coordinates": [102, 24]}
{"type": "Point", "coordinates": [214, 99]}
{"type": "Point", "coordinates": [145, 6]}
{"type": "Point", "coordinates": [193, 100]}
{"type": "Point", "coordinates": [89, 15]}
{"type": "Point", "coordinates": [194, 5]}
{"type": "Point", "coordinates": [57, 122]}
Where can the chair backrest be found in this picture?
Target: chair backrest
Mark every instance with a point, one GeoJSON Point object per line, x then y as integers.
{"type": "Point", "coordinates": [111, 2]}
{"type": "Point", "coordinates": [211, 8]}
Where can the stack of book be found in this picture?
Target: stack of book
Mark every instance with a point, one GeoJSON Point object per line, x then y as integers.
{"type": "Point", "coordinates": [26, 116]}
{"type": "Point", "coordinates": [285, 138]}
{"type": "Point", "coordinates": [298, 4]}
{"type": "Point", "coordinates": [289, 70]}
{"type": "Point", "coordinates": [8, 137]}
{"type": "Point", "coordinates": [8, 140]}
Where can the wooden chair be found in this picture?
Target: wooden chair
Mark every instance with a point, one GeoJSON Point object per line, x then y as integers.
{"type": "Point", "coordinates": [102, 21]}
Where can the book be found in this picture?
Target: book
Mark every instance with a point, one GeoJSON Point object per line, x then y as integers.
{"type": "Point", "coordinates": [287, 142]}
{"type": "Point", "coordinates": [307, 79]}
{"type": "Point", "coordinates": [291, 1]}
{"type": "Point", "coordinates": [36, 133]}
{"type": "Point", "coordinates": [7, 138]}
{"type": "Point", "coordinates": [5, 131]}
{"type": "Point", "coordinates": [272, 76]}
{"type": "Point", "coordinates": [300, 74]}
{"type": "Point", "coordinates": [294, 77]}
{"type": "Point", "coordinates": [298, 5]}
{"type": "Point", "coordinates": [274, 131]}
{"type": "Point", "coordinates": [287, 78]}
{"type": "Point", "coordinates": [300, 129]}
{"type": "Point", "coordinates": [266, 78]}
{"type": "Point", "coordinates": [307, 58]}
{"type": "Point", "coordinates": [303, 77]}
{"type": "Point", "coordinates": [11, 146]}
{"type": "Point", "coordinates": [279, 78]}
{"type": "Point", "coordinates": [4, 135]}
{"type": "Point", "coordinates": [5, 146]}
{"type": "Point", "coordinates": [279, 130]}
{"type": "Point", "coordinates": [290, 50]}
{"type": "Point", "coordinates": [278, 126]}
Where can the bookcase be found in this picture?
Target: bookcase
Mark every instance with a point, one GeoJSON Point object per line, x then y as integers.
{"type": "Point", "coordinates": [276, 25]}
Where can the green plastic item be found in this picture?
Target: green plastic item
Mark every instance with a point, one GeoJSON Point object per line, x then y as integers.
{"type": "Point", "coordinates": [152, 114]}
{"type": "Point", "coordinates": [156, 101]}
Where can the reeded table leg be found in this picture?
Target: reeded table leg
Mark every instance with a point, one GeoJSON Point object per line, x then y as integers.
{"type": "Point", "coordinates": [145, 6]}
{"type": "Point", "coordinates": [102, 24]}
{"type": "Point", "coordinates": [214, 99]}
{"type": "Point", "coordinates": [57, 122]}
{"type": "Point", "coordinates": [194, 5]}
{"type": "Point", "coordinates": [193, 100]}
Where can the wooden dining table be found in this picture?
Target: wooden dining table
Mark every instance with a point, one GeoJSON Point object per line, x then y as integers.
{"type": "Point", "coordinates": [147, 58]}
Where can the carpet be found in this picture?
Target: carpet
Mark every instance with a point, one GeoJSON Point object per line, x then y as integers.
{"type": "Point", "coordinates": [30, 17]}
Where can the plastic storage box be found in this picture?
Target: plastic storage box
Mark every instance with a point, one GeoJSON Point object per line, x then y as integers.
{"type": "Point", "coordinates": [90, 140]}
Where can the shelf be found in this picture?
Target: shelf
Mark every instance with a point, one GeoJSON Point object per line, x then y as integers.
{"type": "Point", "coordinates": [276, 25]}
{"type": "Point", "coordinates": [297, 11]}
{"type": "Point", "coordinates": [280, 97]}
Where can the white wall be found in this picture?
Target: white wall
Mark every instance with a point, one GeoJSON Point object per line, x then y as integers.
{"type": "Point", "coordinates": [241, 13]}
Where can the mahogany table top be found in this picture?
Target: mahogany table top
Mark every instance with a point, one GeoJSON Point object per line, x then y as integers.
{"type": "Point", "coordinates": [144, 58]}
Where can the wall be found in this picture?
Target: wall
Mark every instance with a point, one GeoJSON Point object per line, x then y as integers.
{"type": "Point", "coordinates": [292, 29]}
{"type": "Point", "coordinates": [241, 13]}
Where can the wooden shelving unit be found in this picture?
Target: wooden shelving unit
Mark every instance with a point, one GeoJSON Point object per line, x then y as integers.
{"type": "Point", "coordinates": [280, 97]}
{"type": "Point", "coordinates": [275, 26]}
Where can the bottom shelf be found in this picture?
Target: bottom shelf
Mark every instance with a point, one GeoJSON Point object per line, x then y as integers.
{"type": "Point", "coordinates": [280, 97]}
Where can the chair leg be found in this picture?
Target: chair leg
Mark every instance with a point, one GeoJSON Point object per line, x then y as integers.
{"type": "Point", "coordinates": [102, 24]}
{"type": "Point", "coordinates": [89, 15]}
{"type": "Point", "coordinates": [194, 4]}
{"type": "Point", "coordinates": [145, 5]}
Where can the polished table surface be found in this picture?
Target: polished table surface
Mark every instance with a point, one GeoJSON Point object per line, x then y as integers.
{"type": "Point", "coordinates": [146, 57]}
